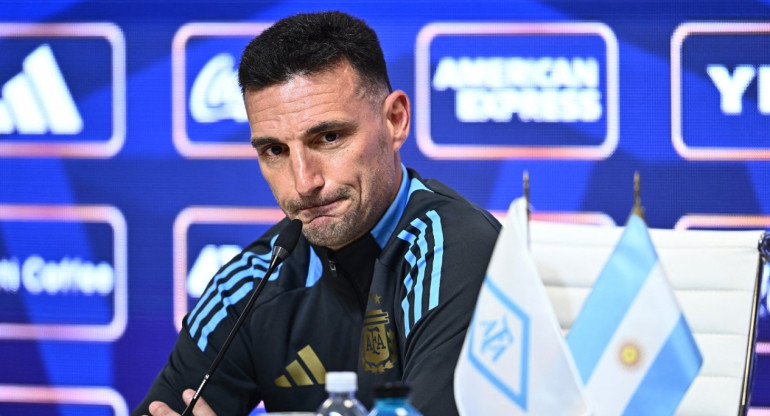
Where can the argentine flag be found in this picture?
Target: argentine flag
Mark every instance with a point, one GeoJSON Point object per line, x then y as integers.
{"type": "Point", "coordinates": [631, 344]}
{"type": "Point", "coordinates": [515, 360]}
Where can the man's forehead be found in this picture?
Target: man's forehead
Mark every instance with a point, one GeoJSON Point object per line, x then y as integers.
{"type": "Point", "coordinates": [299, 106]}
{"type": "Point", "coordinates": [338, 87]}
{"type": "Point", "coordinates": [342, 82]}
{"type": "Point", "coordinates": [339, 73]}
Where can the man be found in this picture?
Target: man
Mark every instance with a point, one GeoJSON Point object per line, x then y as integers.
{"type": "Point", "coordinates": [386, 275]}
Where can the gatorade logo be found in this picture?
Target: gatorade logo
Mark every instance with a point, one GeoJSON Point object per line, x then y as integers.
{"type": "Point", "coordinates": [516, 90]}
{"type": "Point", "coordinates": [720, 91]}
{"type": "Point", "coordinates": [215, 94]}
{"type": "Point", "coordinates": [62, 90]}
{"type": "Point", "coordinates": [208, 116]}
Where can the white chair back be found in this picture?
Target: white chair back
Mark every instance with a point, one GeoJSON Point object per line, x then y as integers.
{"type": "Point", "coordinates": [715, 275]}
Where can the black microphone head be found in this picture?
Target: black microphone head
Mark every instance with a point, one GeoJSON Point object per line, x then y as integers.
{"type": "Point", "coordinates": [285, 243]}
{"type": "Point", "coordinates": [289, 236]}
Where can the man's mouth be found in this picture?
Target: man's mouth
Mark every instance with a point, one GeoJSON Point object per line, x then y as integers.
{"type": "Point", "coordinates": [311, 212]}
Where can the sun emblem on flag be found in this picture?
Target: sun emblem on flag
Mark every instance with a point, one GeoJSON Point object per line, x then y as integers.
{"type": "Point", "coordinates": [630, 354]}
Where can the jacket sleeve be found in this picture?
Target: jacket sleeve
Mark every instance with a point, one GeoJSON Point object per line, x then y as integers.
{"type": "Point", "coordinates": [457, 248]}
{"type": "Point", "coordinates": [232, 389]}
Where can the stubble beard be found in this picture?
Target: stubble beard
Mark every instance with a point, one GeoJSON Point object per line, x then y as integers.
{"type": "Point", "coordinates": [355, 222]}
{"type": "Point", "coordinates": [362, 216]}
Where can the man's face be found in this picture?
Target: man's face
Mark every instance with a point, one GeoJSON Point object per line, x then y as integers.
{"type": "Point", "coordinates": [329, 154]}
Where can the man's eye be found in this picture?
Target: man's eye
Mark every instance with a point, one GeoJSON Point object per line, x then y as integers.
{"type": "Point", "coordinates": [330, 137]}
{"type": "Point", "coordinates": [274, 150]}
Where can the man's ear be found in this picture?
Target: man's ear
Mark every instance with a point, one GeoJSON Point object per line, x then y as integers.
{"type": "Point", "coordinates": [398, 117]}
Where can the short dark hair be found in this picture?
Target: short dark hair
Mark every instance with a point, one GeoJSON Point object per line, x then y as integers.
{"type": "Point", "coordinates": [308, 43]}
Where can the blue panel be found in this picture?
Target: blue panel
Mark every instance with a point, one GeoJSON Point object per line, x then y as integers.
{"type": "Point", "coordinates": [721, 167]}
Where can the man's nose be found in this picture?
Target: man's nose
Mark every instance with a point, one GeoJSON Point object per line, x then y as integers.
{"type": "Point", "coordinates": [307, 172]}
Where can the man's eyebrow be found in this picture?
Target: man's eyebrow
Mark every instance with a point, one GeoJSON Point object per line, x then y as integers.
{"type": "Point", "coordinates": [257, 142]}
{"type": "Point", "coordinates": [329, 126]}
{"type": "Point", "coordinates": [324, 126]}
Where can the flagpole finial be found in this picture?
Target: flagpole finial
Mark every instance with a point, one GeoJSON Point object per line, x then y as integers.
{"type": "Point", "coordinates": [638, 208]}
{"type": "Point", "coordinates": [525, 185]}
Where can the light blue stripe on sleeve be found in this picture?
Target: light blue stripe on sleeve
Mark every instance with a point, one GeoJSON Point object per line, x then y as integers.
{"type": "Point", "coordinates": [217, 298]}
{"type": "Point", "coordinates": [211, 288]}
{"type": "Point", "coordinates": [222, 313]}
{"type": "Point", "coordinates": [412, 260]}
{"type": "Point", "coordinates": [262, 260]}
{"type": "Point", "coordinates": [422, 245]}
{"type": "Point", "coordinates": [670, 375]}
{"type": "Point", "coordinates": [419, 262]}
{"type": "Point", "coordinates": [201, 309]}
{"type": "Point", "coordinates": [614, 291]}
{"type": "Point", "coordinates": [438, 258]}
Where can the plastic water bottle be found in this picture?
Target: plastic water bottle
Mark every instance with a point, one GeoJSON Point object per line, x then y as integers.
{"type": "Point", "coordinates": [392, 399]}
{"type": "Point", "coordinates": [342, 401]}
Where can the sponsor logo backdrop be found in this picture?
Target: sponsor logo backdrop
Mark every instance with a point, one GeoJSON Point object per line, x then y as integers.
{"type": "Point", "coordinates": [126, 176]}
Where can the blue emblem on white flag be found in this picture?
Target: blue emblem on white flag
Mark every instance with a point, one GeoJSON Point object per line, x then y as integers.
{"type": "Point", "coordinates": [499, 344]}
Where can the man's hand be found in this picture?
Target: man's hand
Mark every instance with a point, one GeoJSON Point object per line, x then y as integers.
{"type": "Point", "coordinates": [201, 407]}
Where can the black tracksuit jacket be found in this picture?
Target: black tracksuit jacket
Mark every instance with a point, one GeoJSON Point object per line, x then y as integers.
{"type": "Point", "coordinates": [393, 305]}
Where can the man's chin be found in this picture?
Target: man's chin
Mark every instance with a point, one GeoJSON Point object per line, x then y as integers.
{"type": "Point", "coordinates": [325, 232]}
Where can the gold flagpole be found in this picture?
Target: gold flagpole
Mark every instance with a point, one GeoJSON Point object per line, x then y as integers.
{"type": "Point", "coordinates": [638, 208]}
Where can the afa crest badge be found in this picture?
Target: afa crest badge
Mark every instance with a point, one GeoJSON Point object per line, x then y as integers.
{"type": "Point", "coordinates": [378, 342]}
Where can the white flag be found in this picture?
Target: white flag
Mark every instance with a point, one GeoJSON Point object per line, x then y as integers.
{"type": "Point", "coordinates": [515, 360]}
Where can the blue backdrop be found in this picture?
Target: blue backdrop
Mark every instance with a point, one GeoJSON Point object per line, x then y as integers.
{"type": "Point", "coordinates": [126, 176]}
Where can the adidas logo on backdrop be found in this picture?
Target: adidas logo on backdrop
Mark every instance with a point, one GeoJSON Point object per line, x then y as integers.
{"type": "Point", "coordinates": [37, 100]}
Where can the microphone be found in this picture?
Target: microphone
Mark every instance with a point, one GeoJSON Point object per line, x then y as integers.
{"type": "Point", "coordinates": [284, 245]}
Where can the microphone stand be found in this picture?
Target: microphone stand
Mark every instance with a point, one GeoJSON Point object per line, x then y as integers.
{"type": "Point", "coordinates": [280, 252]}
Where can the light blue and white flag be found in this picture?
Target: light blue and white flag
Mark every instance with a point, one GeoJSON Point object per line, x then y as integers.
{"type": "Point", "coordinates": [515, 360]}
{"type": "Point", "coordinates": [631, 344]}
